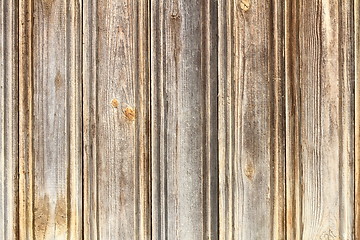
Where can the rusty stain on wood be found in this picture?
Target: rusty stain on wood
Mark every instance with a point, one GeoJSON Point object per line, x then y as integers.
{"type": "Point", "coordinates": [245, 5]}
{"type": "Point", "coordinates": [114, 103]}
{"type": "Point", "coordinates": [129, 113]}
{"type": "Point", "coordinates": [58, 80]}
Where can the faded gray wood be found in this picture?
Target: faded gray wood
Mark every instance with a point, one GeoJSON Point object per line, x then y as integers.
{"type": "Point", "coordinates": [116, 120]}
{"type": "Point", "coordinates": [8, 120]}
{"type": "Point", "coordinates": [320, 115]}
{"type": "Point", "coordinates": [251, 123]}
{"type": "Point", "coordinates": [51, 120]}
{"type": "Point", "coordinates": [184, 119]}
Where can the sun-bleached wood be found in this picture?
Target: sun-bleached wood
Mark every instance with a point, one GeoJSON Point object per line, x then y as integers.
{"type": "Point", "coordinates": [320, 119]}
{"type": "Point", "coordinates": [8, 120]}
{"type": "Point", "coordinates": [50, 120]}
{"type": "Point", "coordinates": [174, 119]}
{"type": "Point", "coordinates": [251, 120]}
{"type": "Point", "coordinates": [116, 120]}
{"type": "Point", "coordinates": [184, 119]}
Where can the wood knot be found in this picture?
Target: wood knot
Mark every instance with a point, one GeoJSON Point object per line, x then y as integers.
{"type": "Point", "coordinates": [129, 113]}
{"type": "Point", "coordinates": [58, 80]}
{"type": "Point", "coordinates": [175, 16]}
{"type": "Point", "coordinates": [245, 5]}
{"type": "Point", "coordinates": [249, 171]}
{"type": "Point", "coordinates": [115, 103]}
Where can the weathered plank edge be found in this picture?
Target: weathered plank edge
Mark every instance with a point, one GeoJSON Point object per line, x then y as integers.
{"type": "Point", "coordinates": [142, 137]}
{"type": "Point", "coordinates": [90, 184]}
{"type": "Point", "coordinates": [9, 121]}
{"type": "Point", "coordinates": [293, 164]}
{"type": "Point", "coordinates": [357, 116]}
{"type": "Point", "coordinates": [26, 177]}
{"type": "Point", "coordinates": [278, 120]}
{"type": "Point", "coordinates": [75, 144]}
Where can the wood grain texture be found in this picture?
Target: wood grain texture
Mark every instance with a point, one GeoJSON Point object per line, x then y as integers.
{"type": "Point", "coordinates": [184, 119]}
{"type": "Point", "coordinates": [251, 123]}
{"type": "Point", "coordinates": [9, 120]}
{"type": "Point", "coordinates": [177, 119]}
{"type": "Point", "coordinates": [50, 120]}
{"type": "Point", "coordinates": [320, 119]}
{"type": "Point", "coordinates": [116, 120]}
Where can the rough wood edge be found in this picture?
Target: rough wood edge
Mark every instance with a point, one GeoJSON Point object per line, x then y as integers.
{"type": "Point", "coordinates": [90, 185]}
{"type": "Point", "coordinates": [9, 221]}
{"type": "Point", "coordinates": [25, 120]}
{"type": "Point", "coordinates": [293, 165]}
{"type": "Point", "coordinates": [357, 116]}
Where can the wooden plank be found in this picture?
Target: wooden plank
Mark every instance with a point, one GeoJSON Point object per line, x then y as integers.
{"type": "Point", "coordinates": [9, 120]}
{"type": "Point", "coordinates": [184, 119]}
{"type": "Point", "coordinates": [320, 115]}
{"type": "Point", "coordinates": [251, 122]}
{"type": "Point", "coordinates": [116, 120]}
{"type": "Point", "coordinates": [50, 116]}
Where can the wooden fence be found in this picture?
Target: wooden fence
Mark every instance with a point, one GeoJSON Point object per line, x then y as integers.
{"type": "Point", "coordinates": [179, 119]}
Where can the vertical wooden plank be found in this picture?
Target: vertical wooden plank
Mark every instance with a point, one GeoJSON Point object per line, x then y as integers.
{"type": "Point", "coordinates": [116, 114]}
{"type": "Point", "coordinates": [320, 115]}
{"type": "Point", "coordinates": [251, 122]}
{"type": "Point", "coordinates": [9, 120]}
{"type": "Point", "coordinates": [50, 116]}
{"type": "Point", "coordinates": [184, 119]}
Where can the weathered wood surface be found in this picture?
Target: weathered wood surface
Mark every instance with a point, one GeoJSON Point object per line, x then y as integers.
{"type": "Point", "coordinates": [320, 119]}
{"type": "Point", "coordinates": [251, 120]}
{"type": "Point", "coordinates": [50, 120]}
{"type": "Point", "coordinates": [184, 119]}
{"type": "Point", "coordinates": [116, 120]}
{"type": "Point", "coordinates": [175, 119]}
